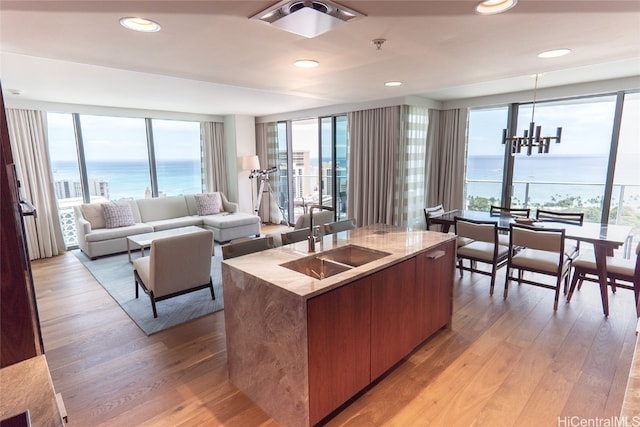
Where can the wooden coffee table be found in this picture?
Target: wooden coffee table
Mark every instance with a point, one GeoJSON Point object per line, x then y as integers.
{"type": "Point", "coordinates": [144, 240]}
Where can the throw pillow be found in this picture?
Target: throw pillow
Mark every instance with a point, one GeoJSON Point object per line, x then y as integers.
{"type": "Point", "coordinates": [208, 203]}
{"type": "Point", "coordinates": [94, 214]}
{"type": "Point", "coordinates": [117, 215]}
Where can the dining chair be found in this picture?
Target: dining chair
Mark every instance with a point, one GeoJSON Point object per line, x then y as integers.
{"type": "Point", "coordinates": [439, 210]}
{"type": "Point", "coordinates": [537, 250]}
{"type": "Point", "coordinates": [623, 269]}
{"type": "Point", "coordinates": [233, 250]}
{"type": "Point", "coordinates": [336, 227]}
{"type": "Point", "coordinates": [505, 211]}
{"type": "Point", "coordinates": [571, 247]}
{"type": "Point", "coordinates": [430, 212]}
{"type": "Point", "coordinates": [484, 247]}
{"type": "Point", "coordinates": [294, 236]}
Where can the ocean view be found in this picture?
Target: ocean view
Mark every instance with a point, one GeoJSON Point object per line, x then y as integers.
{"type": "Point", "coordinates": [550, 176]}
{"type": "Point", "coordinates": [131, 179]}
{"type": "Point", "coordinates": [554, 177]}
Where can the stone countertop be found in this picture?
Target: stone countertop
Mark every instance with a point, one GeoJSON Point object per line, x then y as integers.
{"type": "Point", "coordinates": [631, 402]}
{"type": "Point", "coordinates": [25, 386]}
{"type": "Point", "coordinates": [399, 242]}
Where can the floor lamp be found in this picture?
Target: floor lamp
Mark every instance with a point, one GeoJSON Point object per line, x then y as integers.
{"type": "Point", "coordinates": [251, 163]}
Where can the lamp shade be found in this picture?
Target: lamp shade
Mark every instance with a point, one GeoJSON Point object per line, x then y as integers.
{"type": "Point", "coordinates": [250, 163]}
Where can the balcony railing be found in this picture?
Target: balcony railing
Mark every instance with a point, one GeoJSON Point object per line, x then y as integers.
{"type": "Point", "coordinates": [68, 225]}
{"type": "Point", "coordinates": [586, 197]}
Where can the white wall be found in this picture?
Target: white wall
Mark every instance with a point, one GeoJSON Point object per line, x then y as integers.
{"type": "Point", "coordinates": [240, 141]}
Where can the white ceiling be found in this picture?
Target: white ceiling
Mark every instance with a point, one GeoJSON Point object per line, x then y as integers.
{"type": "Point", "coordinates": [209, 58]}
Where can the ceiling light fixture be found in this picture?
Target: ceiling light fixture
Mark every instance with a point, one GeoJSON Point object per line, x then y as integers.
{"type": "Point", "coordinates": [492, 7]}
{"type": "Point", "coordinates": [393, 83]}
{"type": "Point", "coordinates": [528, 140]}
{"type": "Point", "coordinates": [140, 24]}
{"type": "Point", "coordinates": [308, 18]}
{"type": "Point", "coordinates": [306, 63]}
{"type": "Point", "coordinates": [554, 53]}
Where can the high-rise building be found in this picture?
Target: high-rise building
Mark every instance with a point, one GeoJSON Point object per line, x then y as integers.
{"type": "Point", "coordinates": [68, 189]}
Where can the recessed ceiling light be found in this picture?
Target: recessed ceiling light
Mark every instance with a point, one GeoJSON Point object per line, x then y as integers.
{"type": "Point", "coordinates": [140, 24]}
{"type": "Point", "coordinates": [491, 7]}
{"type": "Point", "coordinates": [306, 63]}
{"type": "Point", "coordinates": [554, 53]}
{"type": "Point", "coordinates": [393, 83]}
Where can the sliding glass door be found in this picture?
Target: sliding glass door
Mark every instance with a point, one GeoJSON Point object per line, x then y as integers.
{"type": "Point", "coordinates": [341, 164]}
{"type": "Point", "coordinates": [305, 164]}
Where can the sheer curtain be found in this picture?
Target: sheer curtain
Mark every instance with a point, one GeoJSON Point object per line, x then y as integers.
{"type": "Point", "coordinates": [213, 149]}
{"type": "Point", "coordinates": [412, 151]}
{"type": "Point", "coordinates": [28, 135]}
{"type": "Point", "coordinates": [373, 142]}
{"type": "Point", "coordinates": [446, 143]}
{"type": "Point", "coordinates": [268, 153]}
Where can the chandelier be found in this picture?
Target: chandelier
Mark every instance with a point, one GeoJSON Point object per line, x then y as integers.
{"type": "Point", "coordinates": [531, 138]}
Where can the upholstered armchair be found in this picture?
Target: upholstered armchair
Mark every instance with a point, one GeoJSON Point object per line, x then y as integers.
{"type": "Point", "coordinates": [175, 266]}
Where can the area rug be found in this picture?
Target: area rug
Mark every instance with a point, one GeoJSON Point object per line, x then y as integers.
{"type": "Point", "coordinates": [115, 274]}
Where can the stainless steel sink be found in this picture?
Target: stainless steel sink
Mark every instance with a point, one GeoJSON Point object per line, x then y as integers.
{"type": "Point", "coordinates": [329, 263]}
{"type": "Point", "coordinates": [353, 255]}
{"type": "Point", "coordinates": [316, 267]}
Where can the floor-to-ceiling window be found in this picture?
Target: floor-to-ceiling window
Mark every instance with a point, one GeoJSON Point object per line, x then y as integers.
{"type": "Point", "coordinates": [333, 152]}
{"type": "Point", "coordinates": [576, 174]}
{"type": "Point", "coordinates": [116, 157]}
{"type": "Point", "coordinates": [101, 158]}
{"type": "Point", "coordinates": [63, 154]}
{"type": "Point", "coordinates": [625, 198]}
{"type": "Point", "coordinates": [178, 156]}
{"type": "Point", "coordinates": [281, 188]}
{"type": "Point", "coordinates": [305, 165]}
{"type": "Point", "coordinates": [485, 158]}
{"type": "Point", "coordinates": [341, 163]}
{"type": "Point", "coordinates": [326, 162]}
{"type": "Point", "coordinates": [317, 164]}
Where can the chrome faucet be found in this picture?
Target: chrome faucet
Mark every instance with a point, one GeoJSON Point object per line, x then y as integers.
{"type": "Point", "coordinates": [312, 239]}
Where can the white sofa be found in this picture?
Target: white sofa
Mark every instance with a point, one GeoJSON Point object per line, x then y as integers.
{"type": "Point", "coordinates": [158, 214]}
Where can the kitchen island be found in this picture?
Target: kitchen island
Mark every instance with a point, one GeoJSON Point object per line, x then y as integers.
{"type": "Point", "coordinates": [300, 346]}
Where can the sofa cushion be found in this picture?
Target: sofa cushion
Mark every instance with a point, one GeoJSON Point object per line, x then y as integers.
{"type": "Point", "coordinates": [208, 203]}
{"type": "Point", "coordinates": [93, 213]}
{"type": "Point", "coordinates": [227, 220]}
{"type": "Point", "coordinates": [167, 224]}
{"type": "Point", "coordinates": [116, 233]}
{"type": "Point", "coordinates": [117, 215]}
{"type": "Point", "coordinates": [160, 208]}
{"type": "Point", "coordinates": [134, 207]}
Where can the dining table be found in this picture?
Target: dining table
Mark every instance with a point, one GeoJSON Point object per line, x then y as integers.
{"type": "Point", "coordinates": [605, 238]}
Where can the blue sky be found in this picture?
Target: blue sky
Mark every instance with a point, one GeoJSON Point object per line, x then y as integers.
{"type": "Point", "coordinates": [119, 138]}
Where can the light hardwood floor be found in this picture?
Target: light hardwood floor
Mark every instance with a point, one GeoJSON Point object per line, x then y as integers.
{"type": "Point", "coordinates": [504, 363]}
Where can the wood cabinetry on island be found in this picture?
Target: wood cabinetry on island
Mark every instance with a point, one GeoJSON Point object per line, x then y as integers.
{"type": "Point", "coordinates": [301, 347]}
